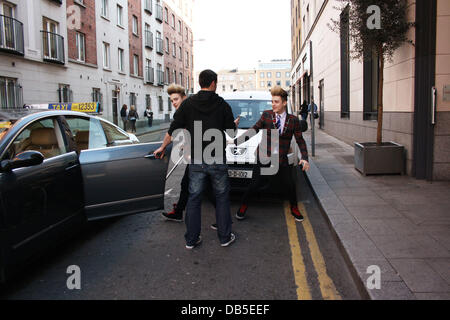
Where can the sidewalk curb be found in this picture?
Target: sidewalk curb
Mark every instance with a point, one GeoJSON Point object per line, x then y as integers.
{"type": "Point", "coordinates": [358, 249]}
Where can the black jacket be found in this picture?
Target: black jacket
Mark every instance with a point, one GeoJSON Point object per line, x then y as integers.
{"type": "Point", "coordinates": [213, 113]}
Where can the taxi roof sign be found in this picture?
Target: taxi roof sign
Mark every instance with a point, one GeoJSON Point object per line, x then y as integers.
{"type": "Point", "coordinates": [87, 107]}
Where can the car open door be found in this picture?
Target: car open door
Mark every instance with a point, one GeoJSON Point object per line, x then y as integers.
{"type": "Point", "coordinates": [123, 180]}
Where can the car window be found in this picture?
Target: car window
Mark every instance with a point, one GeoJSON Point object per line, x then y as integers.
{"type": "Point", "coordinates": [87, 132]}
{"type": "Point", "coordinates": [250, 111]}
{"type": "Point", "coordinates": [42, 135]}
{"type": "Point", "coordinates": [113, 134]}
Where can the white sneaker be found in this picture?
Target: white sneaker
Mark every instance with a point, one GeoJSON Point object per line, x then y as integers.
{"type": "Point", "coordinates": [195, 245]}
{"type": "Point", "coordinates": [232, 239]}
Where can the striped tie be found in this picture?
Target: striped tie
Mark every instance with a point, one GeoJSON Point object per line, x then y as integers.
{"type": "Point", "coordinates": [278, 124]}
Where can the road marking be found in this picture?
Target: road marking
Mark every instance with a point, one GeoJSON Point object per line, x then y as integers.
{"type": "Point", "coordinates": [298, 264]}
{"type": "Point", "coordinates": [327, 287]}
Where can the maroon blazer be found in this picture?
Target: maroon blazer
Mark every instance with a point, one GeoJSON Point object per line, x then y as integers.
{"type": "Point", "coordinates": [291, 128]}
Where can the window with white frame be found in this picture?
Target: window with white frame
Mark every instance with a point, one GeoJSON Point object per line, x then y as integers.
{"type": "Point", "coordinates": [105, 8]}
{"type": "Point", "coordinates": [106, 56]}
{"type": "Point", "coordinates": [135, 26]}
{"type": "Point", "coordinates": [119, 15]}
{"type": "Point", "coordinates": [261, 75]}
{"type": "Point", "coordinates": [81, 46]}
{"type": "Point", "coordinates": [278, 74]}
{"type": "Point", "coordinates": [135, 65]}
{"type": "Point", "coordinates": [10, 93]}
{"type": "Point", "coordinates": [120, 60]}
{"type": "Point", "coordinates": [174, 47]}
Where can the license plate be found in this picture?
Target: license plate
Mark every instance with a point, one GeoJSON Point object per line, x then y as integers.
{"type": "Point", "coordinates": [243, 174]}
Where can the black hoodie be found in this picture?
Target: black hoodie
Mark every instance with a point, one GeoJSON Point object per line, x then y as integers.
{"type": "Point", "coordinates": [211, 110]}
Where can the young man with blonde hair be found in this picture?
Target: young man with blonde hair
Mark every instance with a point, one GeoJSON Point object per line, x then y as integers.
{"type": "Point", "coordinates": [288, 126]}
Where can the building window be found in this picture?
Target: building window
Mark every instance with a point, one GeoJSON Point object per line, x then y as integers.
{"type": "Point", "coordinates": [136, 65]}
{"type": "Point", "coordinates": [371, 77]}
{"type": "Point", "coordinates": [179, 26]}
{"type": "Point", "coordinates": [120, 60]}
{"type": "Point", "coordinates": [148, 6]}
{"type": "Point", "coordinates": [97, 97]}
{"type": "Point", "coordinates": [132, 99]}
{"type": "Point", "coordinates": [148, 101]}
{"type": "Point", "coordinates": [166, 15]}
{"type": "Point", "coordinates": [262, 84]}
{"type": "Point", "coordinates": [167, 75]}
{"type": "Point", "coordinates": [269, 84]}
{"type": "Point", "coordinates": [269, 75]}
{"type": "Point", "coordinates": [345, 64]}
{"type": "Point", "coordinates": [106, 56]}
{"type": "Point", "coordinates": [173, 21]}
{"type": "Point", "coordinates": [181, 79]}
{"type": "Point", "coordinates": [288, 83]}
{"type": "Point", "coordinates": [135, 26]}
{"type": "Point", "coordinates": [10, 93]}
{"type": "Point", "coordinates": [119, 16]}
{"type": "Point", "coordinates": [187, 59]}
{"type": "Point", "coordinates": [169, 103]}
{"type": "Point", "coordinates": [262, 75]}
{"type": "Point", "coordinates": [104, 8]}
{"type": "Point", "coordinates": [180, 53]}
{"type": "Point", "coordinates": [288, 74]}
{"type": "Point", "coordinates": [278, 83]}
{"type": "Point", "coordinates": [167, 45]}
{"type": "Point", "coordinates": [174, 47]}
{"type": "Point", "coordinates": [64, 93]}
{"type": "Point", "coordinates": [223, 88]}
{"type": "Point", "coordinates": [81, 47]}
{"type": "Point", "coordinates": [161, 104]}
{"type": "Point", "coordinates": [278, 74]}
{"type": "Point", "coordinates": [174, 76]}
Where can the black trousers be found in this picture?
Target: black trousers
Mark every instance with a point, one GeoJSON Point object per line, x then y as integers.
{"type": "Point", "coordinates": [284, 178]}
{"type": "Point", "coordinates": [184, 193]}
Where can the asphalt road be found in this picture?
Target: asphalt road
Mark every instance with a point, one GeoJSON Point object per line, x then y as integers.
{"type": "Point", "coordinates": [144, 257]}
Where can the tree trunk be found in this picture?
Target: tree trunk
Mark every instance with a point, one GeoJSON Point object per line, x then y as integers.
{"type": "Point", "coordinates": [380, 95]}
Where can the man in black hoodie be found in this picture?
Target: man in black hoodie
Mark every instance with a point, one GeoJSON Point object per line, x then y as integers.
{"type": "Point", "coordinates": [199, 114]}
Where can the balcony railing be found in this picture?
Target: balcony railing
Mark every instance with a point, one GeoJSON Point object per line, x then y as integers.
{"type": "Point", "coordinates": [159, 13]}
{"type": "Point", "coordinates": [53, 47]}
{"type": "Point", "coordinates": [150, 75]}
{"type": "Point", "coordinates": [11, 35]}
{"type": "Point", "coordinates": [149, 39]}
{"type": "Point", "coordinates": [160, 77]}
{"type": "Point", "coordinates": [148, 6]}
{"type": "Point", "coordinates": [159, 46]}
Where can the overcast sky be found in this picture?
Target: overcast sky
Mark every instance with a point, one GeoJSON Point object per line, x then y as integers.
{"type": "Point", "coordinates": [238, 33]}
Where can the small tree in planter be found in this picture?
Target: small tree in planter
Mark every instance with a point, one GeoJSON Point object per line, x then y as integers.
{"type": "Point", "coordinates": [376, 26]}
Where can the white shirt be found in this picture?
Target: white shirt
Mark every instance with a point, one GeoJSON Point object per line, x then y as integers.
{"type": "Point", "coordinates": [282, 120]}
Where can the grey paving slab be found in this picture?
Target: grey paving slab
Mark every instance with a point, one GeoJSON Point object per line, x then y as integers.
{"type": "Point", "coordinates": [392, 290]}
{"type": "Point", "coordinates": [388, 273]}
{"type": "Point", "coordinates": [373, 212]}
{"type": "Point", "coordinates": [361, 248]}
{"type": "Point", "coordinates": [433, 296]}
{"type": "Point", "coordinates": [371, 200]}
{"type": "Point", "coordinates": [392, 226]}
{"type": "Point", "coordinates": [419, 276]}
{"type": "Point", "coordinates": [443, 238]}
{"type": "Point", "coordinates": [441, 266]}
{"type": "Point", "coordinates": [414, 246]}
{"type": "Point", "coordinates": [352, 191]}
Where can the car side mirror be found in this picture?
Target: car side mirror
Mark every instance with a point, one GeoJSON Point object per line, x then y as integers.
{"type": "Point", "coordinates": [303, 125]}
{"type": "Point", "coordinates": [22, 160]}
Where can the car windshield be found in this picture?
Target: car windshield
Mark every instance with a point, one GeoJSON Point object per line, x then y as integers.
{"type": "Point", "coordinates": [250, 111]}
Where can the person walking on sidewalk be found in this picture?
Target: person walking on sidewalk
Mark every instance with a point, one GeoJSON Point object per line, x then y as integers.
{"type": "Point", "coordinates": [288, 126]}
{"type": "Point", "coordinates": [133, 117]}
{"type": "Point", "coordinates": [212, 112]}
{"type": "Point", "coordinates": [304, 110]}
{"type": "Point", "coordinates": [124, 116]}
{"type": "Point", "coordinates": [148, 113]}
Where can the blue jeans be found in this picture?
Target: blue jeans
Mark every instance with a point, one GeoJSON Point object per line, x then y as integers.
{"type": "Point", "coordinates": [198, 175]}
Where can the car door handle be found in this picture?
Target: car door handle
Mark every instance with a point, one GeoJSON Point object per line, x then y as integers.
{"type": "Point", "coordinates": [72, 167]}
{"type": "Point", "coordinates": [150, 156]}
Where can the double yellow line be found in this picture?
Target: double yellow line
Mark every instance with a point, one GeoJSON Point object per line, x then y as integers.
{"type": "Point", "coordinates": [327, 287]}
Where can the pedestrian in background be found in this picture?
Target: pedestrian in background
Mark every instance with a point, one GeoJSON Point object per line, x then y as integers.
{"type": "Point", "coordinates": [313, 106]}
{"type": "Point", "coordinates": [304, 110]}
{"type": "Point", "coordinates": [212, 112]}
{"type": "Point", "coordinates": [124, 116]}
{"type": "Point", "coordinates": [133, 117]}
{"type": "Point", "coordinates": [148, 113]}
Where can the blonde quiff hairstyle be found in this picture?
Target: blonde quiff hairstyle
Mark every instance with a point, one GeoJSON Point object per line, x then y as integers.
{"type": "Point", "coordinates": [174, 88]}
{"type": "Point", "coordinates": [279, 92]}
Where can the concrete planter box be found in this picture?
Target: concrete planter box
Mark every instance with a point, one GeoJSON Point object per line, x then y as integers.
{"type": "Point", "coordinates": [385, 159]}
